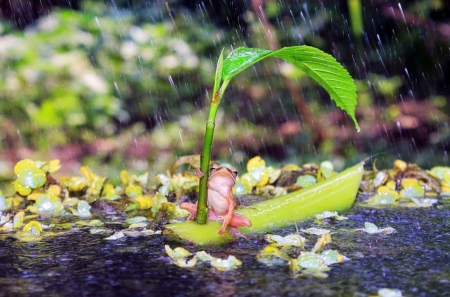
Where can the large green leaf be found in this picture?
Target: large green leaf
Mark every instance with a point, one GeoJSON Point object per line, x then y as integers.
{"type": "Point", "coordinates": [320, 66]}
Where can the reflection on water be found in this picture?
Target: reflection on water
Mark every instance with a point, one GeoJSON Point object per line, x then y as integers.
{"type": "Point", "coordinates": [414, 260]}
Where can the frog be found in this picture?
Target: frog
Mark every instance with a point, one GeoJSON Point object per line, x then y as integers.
{"type": "Point", "coordinates": [220, 200]}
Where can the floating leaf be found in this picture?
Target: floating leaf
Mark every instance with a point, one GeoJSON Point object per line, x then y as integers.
{"type": "Point", "coordinates": [312, 261]}
{"type": "Point", "coordinates": [18, 219]}
{"type": "Point", "coordinates": [136, 219]}
{"type": "Point", "coordinates": [158, 201]}
{"type": "Point", "coordinates": [385, 292]}
{"type": "Point", "coordinates": [32, 178]}
{"type": "Point", "coordinates": [315, 231]}
{"type": "Point", "coordinates": [373, 229]}
{"type": "Point", "coordinates": [133, 191]}
{"type": "Point", "coordinates": [255, 163]}
{"type": "Point", "coordinates": [425, 202]}
{"type": "Point", "coordinates": [326, 170]}
{"type": "Point", "coordinates": [184, 263]}
{"type": "Point", "coordinates": [380, 179]}
{"type": "Point", "coordinates": [5, 203]}
{"type": "Point", "coordinates": [288, 240]}
{"type": "Point", "coordinates": [51, 166]}
{"type": "Point", "coordinates": [322, 242]}
{"type": "Point", "coordinates": [165, 187]}
{"type": "Point", "coordinates": [138, 233]}
{"type": "Point", "coordinates": [330, 257]}
{"type": "Point", "coordinates": [439, 171]}
{"type": "Point", "coordinates": [48, 204]}
{"type": "Point", "coordinates": [22, 165]}
{"type": "Point", "coordinates": [4, 219]}
{"type": "Point", "coordinates": [177, 252]}
{"type": "Point", "coordinates": [400, 165]}
{"type": "Point", "coordinates": [305, 181]}
{"type": "Point", "coordinates": [100, 231]}
{"type": "Point", "coordinates": [226, 264]}
{"type": "Point", "coordinates": [83, 209]}
{"type": "Point", "coordinates": [385, 196]}
{"type": "Point", "coordinates": [336, 193]}
{"type": "Point", "coordinates": [330, 215]}
{"type": "Point", "coordinates": [94, 181]}
{"type": "Point", "coordinates": [272, 255]}
{"type": "Point", "coordinates": [91, 223]}
{"type": "Point", "coordinates": [54, 190]}
{"type": "Point", "coordinates": [412, 191]}
{"type": "Point", "coordinates": [204, 256]}
{"type": "Point", "coordinates": [145, 201]}
{"type": "Point", "coordinates": [115, 236]}
{"type": "Point", "coordinates": [33, 227]}
{"type": "Point", "coordinates": [110, 191]}
{"type": "Point", "coordinates": [138, 225]}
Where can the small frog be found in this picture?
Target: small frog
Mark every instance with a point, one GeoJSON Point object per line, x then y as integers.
{"type": "Point", "coordinates": [220, 200]}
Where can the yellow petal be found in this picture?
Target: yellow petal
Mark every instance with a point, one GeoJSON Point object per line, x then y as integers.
{"type": "Point", "coordinates": [255, 163]}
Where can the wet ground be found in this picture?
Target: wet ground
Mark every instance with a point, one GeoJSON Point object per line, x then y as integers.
{"type": "Point", "coordinates": [415, 260]}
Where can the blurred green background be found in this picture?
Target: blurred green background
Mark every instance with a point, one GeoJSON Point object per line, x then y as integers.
{"type": "Point", "coordinates": [126, 84]}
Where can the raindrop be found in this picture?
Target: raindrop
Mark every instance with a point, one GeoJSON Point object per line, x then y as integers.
{"type": "Point", "coordinates": [407, 73]}
{"type": "Point", "coordinates": [20, 135]}
{"type": "Point", "coordinates": [98, 23]}
{"type": "Point", "coordinates": [181, 138]}
{"type": "Point", "coordinates": [172, 84]}
{"type": "Point", "coordinates": [116, 86]}
{"type": "Point", "coordinates": [399, 127]}
{"type": "Point", "coordinates": [401, 11]}
{"type": "Point", "coordinates": [379, 40]}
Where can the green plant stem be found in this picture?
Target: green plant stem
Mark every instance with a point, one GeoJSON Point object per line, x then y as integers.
{"type": "Point", "coordinates": [202, 208]}
{"type": "Point", "coordinates": [356, 18]}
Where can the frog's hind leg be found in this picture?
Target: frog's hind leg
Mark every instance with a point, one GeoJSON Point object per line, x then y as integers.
{"type": "Point", "coordinates": [227, 219]}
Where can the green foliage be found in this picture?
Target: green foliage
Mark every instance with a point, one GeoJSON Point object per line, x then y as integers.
{"type": "Point", "coordinates": [79, 71]}
{"type": "Point", "coordinates": [32, 175]}
{"type": "Point", "coordinates": [323, 68]}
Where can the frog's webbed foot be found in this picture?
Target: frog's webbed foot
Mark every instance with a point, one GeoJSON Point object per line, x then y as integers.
{"type": "Point", "coordinates": [226, 221]}
{"type": "Point", "coordinates": [199, 173]}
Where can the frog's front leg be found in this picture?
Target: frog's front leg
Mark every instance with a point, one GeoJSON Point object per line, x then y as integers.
{"type": "Point", "coordinates": [192, 208]}
{"type": "Point", "coordinates": [199, 173]}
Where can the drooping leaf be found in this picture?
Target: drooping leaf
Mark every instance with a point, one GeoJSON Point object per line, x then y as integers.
{"type": "Point", "coordinates": [320, 66]}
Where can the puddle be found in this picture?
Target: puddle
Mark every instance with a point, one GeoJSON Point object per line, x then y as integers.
{"type": "Point", "coordinates": [414, 259]}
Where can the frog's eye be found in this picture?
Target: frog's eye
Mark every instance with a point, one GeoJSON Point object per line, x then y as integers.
{"type": "Point", "coordinates": [234, 172]}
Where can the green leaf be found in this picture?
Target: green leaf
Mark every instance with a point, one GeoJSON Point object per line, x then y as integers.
{"type": "Point", "coordinates": [320, 66]}
{"type": "Point", "coordinates": [218, 77]}
{"type": "Point", "coordinates": [334, 194]}
{"type": "Point", "coordinates": [240, 59]}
